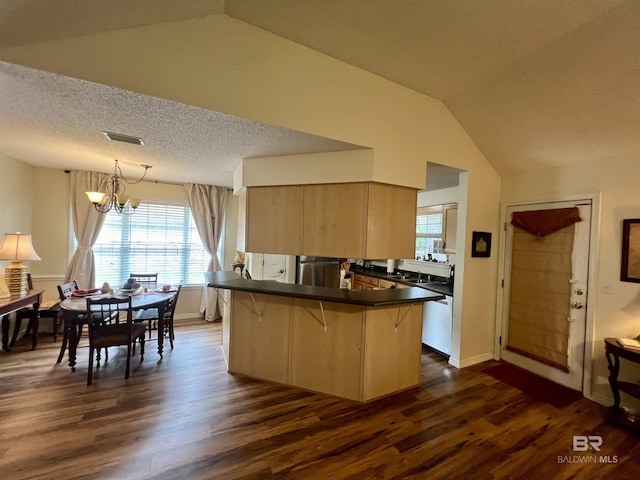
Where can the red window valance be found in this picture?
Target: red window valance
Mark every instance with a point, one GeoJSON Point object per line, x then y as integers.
{"type": "Point", "coordinates": [544, 222]}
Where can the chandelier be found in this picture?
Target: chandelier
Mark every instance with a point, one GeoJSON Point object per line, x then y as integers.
{"type": "Point", "coordinates": [115, 198]}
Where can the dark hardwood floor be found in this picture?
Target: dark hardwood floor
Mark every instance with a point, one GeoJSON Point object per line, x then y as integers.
{"type": "Point", "coordinates": [184, 417]}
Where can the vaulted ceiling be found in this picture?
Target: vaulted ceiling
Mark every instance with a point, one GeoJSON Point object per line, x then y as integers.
{"type": "Point", "coordinates": [535, 84]}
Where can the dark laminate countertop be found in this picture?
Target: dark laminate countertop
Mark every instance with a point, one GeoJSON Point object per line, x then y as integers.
{"type": "Point", "coordinates": [443, 288]}
{"type": "Point", "coordinates": [369, 298]}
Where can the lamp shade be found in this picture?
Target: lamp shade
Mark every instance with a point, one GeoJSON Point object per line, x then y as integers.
{"type": "Point", "coordinates": [95, 197]}
{"type": "Point", "coordinates": [17, 247]}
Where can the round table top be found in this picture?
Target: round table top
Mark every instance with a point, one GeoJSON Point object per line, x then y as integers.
{"type": "Point", "coordinates": [138, 301]}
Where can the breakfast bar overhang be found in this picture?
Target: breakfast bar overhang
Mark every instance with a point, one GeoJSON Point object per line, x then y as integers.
{"type": "Point", "coordinates": [359, 345]}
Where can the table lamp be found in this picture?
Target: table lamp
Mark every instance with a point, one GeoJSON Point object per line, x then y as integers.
{"type": "Point", "coordinates": [17, 247]}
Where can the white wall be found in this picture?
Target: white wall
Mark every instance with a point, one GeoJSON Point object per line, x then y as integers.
{"type": "Point", "coordinates": [311, 168]}
{"type": "Point", "coordinates": [15, 197]}
{"type": "Point", "coordinates": [226, 65]}
{"type": "Point", "coordinates": [617, 312]}
{"type": "Point", "coordinates": [439, 197]}
{"type": "Point", "coordinates": [16, 187]}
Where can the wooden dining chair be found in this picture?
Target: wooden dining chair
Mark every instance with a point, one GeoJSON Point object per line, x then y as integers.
{"type": "Point", "coordinates": [148, 280]}
{"type": "Point", "coordinates": [65, 291]}
{"type": "Point", "coordinates": [112, 325]}
{"type": "Point", "coordinates": [151, 315]}
{"type": "Point", "coordinates": [48, 309]}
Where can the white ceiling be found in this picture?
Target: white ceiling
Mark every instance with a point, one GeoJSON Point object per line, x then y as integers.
{"type": "Point", "coordinates": [535, 84]}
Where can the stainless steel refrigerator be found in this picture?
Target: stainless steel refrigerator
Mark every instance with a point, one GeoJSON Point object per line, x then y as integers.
{"type": "Point", "coordinates": [318, 271]}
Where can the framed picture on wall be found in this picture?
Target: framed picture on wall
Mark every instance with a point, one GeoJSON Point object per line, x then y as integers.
{"type": "Point", "coordinates": [630, 270]}
{"type": "Point", "coordinates": [481, 244]}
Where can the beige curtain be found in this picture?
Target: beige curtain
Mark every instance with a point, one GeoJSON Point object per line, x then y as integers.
{"type": "Point", "coordinates": [208, 205]}
{"type": "Point", "coordinates": [541, 268]}
{"type": "Point", "coordinates": [87, 223]}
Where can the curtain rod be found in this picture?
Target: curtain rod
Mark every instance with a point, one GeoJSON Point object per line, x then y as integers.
{"type": "Point", "coordinates": [169, 183]}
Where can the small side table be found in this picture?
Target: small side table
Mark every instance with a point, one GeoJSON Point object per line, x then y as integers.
{"type": "Point", "coordinates": [15, 303]}
{"type": "Point", "coordinates": [615, 414]}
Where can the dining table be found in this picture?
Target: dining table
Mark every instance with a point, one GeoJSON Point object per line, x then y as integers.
{"type": "Point", "coordinates": [33, 298]}
{"type": "Point", "coordinates": [75, 306]}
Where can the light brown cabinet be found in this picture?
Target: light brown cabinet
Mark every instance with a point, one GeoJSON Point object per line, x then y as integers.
{"type": "Point", "coordinates": [449, 227]}
{"type": "Point", "coordinates": [334, 220]}
{"type": "Point", "coordinates": [391, 222]}
{"type": "Point", "coordinates": [273, 221]}
{"type": "Point", "coordinates": [357, 220]}
{"type": "Point", "coordinates": [384, 284]}
{"type": "Point", "coordinates": [367, 282]}
{"type": "Point", "coordinates": [370, 283]}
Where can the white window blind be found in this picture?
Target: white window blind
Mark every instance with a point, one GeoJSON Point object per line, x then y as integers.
{"type": "Point", "coordinates": [157, 238]}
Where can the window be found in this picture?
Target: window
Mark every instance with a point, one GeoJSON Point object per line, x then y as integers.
{"type": "Point", "coordinates": [156, 238]}
{"type": "Point", "coordinates": [436, 231]}
{"type": "Point", "coordinates": [428, 229]}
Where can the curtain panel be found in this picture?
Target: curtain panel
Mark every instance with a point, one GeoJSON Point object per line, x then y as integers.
{"type": "Point", "coordinates": [208, 206]}
{"type": "Point", "coordinates": [87, 222]}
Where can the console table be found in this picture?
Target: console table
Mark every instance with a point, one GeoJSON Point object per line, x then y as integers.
{"type": "Point", "coordinates": [14, 303]}
{"type": "Point", "coordinates": [614, 351]}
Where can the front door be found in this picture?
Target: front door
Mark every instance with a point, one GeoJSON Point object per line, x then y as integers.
{"type": "Point", "coordinates": [545, 297]}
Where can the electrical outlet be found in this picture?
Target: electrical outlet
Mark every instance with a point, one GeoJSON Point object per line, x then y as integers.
{"type": "Point", "coordinates": [606, 288]}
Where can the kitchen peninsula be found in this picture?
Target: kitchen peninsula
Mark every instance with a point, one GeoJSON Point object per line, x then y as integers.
{"type": "Point", "coordinates": [359, 345]}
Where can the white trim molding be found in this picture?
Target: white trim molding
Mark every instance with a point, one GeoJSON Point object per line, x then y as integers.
{"type": "Point", "coordinates": [467, 362]}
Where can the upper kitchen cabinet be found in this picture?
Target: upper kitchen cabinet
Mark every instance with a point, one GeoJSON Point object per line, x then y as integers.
{"type": "Point", "coordinates": [273, 222]}
{"type": "Point", "coordinates": [391, 221]}
{"type": "Point", "coordinates": [334, 219]}
{"type": "Point", "coordinates": [357, 220]}
{"type": "Point", "coordinates": [449, 227]}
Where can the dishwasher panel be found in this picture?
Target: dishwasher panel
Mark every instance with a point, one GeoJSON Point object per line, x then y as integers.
{"type": "Point", "coordinates": [437, 319]}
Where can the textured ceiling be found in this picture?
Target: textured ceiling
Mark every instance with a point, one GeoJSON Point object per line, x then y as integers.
{"type": "Point", "coordinates": [535, 84]}
{"type": "Point", "coordinates": [56, 121]}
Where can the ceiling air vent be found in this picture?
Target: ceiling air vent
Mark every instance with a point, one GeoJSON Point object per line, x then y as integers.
{"type": "Point", "coordinates": [120, 137]}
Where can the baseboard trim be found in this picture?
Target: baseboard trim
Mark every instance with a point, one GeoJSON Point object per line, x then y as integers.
{"type": "Point", "coordinates": [187, 316]}
{"type": "Point", "coordinates": [467, 362]}
{"type": "Point", "coordinates": [606, 400]}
